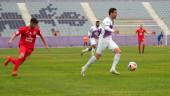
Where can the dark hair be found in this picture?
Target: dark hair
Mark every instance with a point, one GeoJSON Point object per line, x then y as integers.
{"type": "Point", "coordinates": [34, 20]}
{"type": "Point", "coordinates": [97, 21]}
{"type": "Point", "coordinates": [111, 10]}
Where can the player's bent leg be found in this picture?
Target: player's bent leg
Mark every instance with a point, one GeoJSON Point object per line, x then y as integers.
{"type": "Point", "coordinates": [115, 61]}
{"type": "Point", "coordinates": [86, 50]}
{"type": "Point", "coordinates": [17, 63]}
{"type": "Point", "coordinates": [8, 60]}
{"type": "Point", "coordinates": [24, 53]}
{"type": "Point", "coordinates": [90, 61]}
{"type": "Point", "coordinates": [100, 48]}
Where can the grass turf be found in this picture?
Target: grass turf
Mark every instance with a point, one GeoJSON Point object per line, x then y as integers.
{"type": "Point", "coordinates": [57, 73]}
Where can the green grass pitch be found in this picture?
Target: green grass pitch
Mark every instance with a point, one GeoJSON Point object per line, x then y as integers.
{"type": "Point", "coordinates": [57, 73]}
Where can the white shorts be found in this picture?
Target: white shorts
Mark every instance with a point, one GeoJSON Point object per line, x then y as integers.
{"type": "Point", "coordinates": [93, 41]}
{"type": "Point", "coordinates": [106, 43]}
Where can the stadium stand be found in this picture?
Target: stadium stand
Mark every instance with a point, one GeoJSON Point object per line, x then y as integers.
{"type": "Point", "coordinates": [131, 13]}
{"type": "Point", "coordinates": [72, 21]}
{"type": "Point", "coordinates": [10, 19]}
{"type": "Point", "coordinates": [130, 10]}
{"type": "Point", "coordinates": [163, 10]}
{"type": "Point", "coordinates": [69, 21]}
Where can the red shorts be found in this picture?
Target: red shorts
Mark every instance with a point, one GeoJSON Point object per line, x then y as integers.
{"type": "Point", "coordinates": [140, 40]}
{"type": "Point", "coordinates": [24, 50]}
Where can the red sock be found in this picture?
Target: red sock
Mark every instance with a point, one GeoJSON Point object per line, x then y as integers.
{"type": "Point", "coordinates": [17, 63]}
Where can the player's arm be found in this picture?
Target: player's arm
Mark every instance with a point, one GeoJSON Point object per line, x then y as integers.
{"type": "Point", "coordinates": [43, 40]}
{"type": "Point", "coordinates": [107, 27]}
{"type": "Point", "coordinates": [136, 31]}
{"type": "Point", "coordinates": [14, 35]}
{"type": "Point", "coordinates": [89, 32]}
{"type": "Point", "coordinates": [111, 30]}
{"type": "Point", "coordinates": [149, 32]}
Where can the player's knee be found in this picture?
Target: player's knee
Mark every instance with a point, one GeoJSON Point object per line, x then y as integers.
{"type": "Point", "coordinates": [117, 51]}
{"type": "Point", "coordinates": [21, 55]}
{"type": "Point", "coordinates": [94, 46]}
{"type": "Point", "coordinates": [98, 56]}
{"type": "Point", "coordinates": [90, 49]}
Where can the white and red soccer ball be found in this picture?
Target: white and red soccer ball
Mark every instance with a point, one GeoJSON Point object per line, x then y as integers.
{"type": "Point", "coordinates": [132, 66]}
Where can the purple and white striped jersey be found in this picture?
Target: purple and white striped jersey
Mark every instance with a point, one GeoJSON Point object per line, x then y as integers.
{"type": "Point", "coordinates": [108, 26]}
{"type": "Point", "coordinates": [95, 32]}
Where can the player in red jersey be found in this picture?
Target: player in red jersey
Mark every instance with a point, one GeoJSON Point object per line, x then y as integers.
{"type": "Point", "coordinates": [141, 38]}
{"type": "Point", "coordinates": [26, 43]}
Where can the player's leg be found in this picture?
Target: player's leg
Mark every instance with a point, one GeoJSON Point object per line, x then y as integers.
{"type": "Point", "coordinates": [86, 50]}
{"type": "Point", "coordinates": [161, 42]}
{"type": "Point", "coordinates": [158, 42]}
{"type": "Point", "coordinates": [114, 47]}
{"type": "Point", "coordinates": [11, 59]}
{"type": "Point", "coordinates": [139, 46]}
{"type": "Point", "coordinates": [90, 61]}
{"type": "Point", "coordinates": [143, 46]}
{"type": "Point", "coordinates": [84, 44]}
{"type": "Point", "coordinates": [91, 48]}
{"type": "Point", "coordinates": [24, 53]}
{"type": "Point", "coordinates": [101, 46]}
{"type": "Point", "coordinates": [8, 60]}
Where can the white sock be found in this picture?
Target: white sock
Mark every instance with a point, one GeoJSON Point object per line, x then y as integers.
{"type": "Point", "coordinates": [85, 50]}
{"type": "Point", "coordinates": [91, 60]}
{"type": "Point", "coordinates": [115, 61]}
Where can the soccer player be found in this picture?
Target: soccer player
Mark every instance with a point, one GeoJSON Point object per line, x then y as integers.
{"type": "Point", "coordinates": [26, 44]}
{"type": "Point", "coordinates": [141, 38]}
{"type": "Point", "coordinates": [85, 41]}
{"type": "Point", "coordinates": [160, 39]}
{"type": "Point", "coordinates": [94, 33]}
{"type": "Point", "coordinates": [105, 41]}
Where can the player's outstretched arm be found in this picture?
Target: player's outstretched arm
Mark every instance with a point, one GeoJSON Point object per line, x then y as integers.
{"type": "Point", "coordinates": [149, 32]}
{"type": "Point", "coordinates": [12, 38]}
{"type": "Point", "coordinates": [44, 42]}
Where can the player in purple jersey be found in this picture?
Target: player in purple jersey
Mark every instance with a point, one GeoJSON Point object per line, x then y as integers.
{"type": "Point", "coordinates": [105, 41]}
{"type": "Point", "coordinates": [93, 34]}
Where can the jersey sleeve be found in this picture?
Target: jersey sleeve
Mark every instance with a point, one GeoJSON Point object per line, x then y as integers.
{"type": "Point", "coordinates": [20, 31]}
{"type": "Point", "coordinates": [136, 30]}
{"type": "Point", "coordinates": [106, 24]}
{"type": "Point", "coordinates": [38, 32]}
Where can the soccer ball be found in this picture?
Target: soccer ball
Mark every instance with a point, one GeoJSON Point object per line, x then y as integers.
{"type": "Point", "coordinates": [132, 66]}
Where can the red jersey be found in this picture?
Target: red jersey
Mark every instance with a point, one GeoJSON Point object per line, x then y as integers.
{"type": "Point", "coordinates": [28, 36]}
{"type": "Point", "coordinates": [141, 33]}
